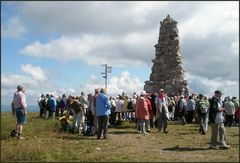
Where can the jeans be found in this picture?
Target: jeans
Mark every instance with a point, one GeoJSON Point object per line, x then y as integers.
{"type": "Point", "coordinates": [21, 117]}
{"type": "Point", "coordinates": [229, 120]}
{"type": "Point", "coordinates": [190, 114]}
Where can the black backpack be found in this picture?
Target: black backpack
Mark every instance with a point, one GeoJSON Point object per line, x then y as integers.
{"type": "Point", "coordinates": [212, 112]}
{"type": "Point", "coordinates": [130, 105]}
{"type": "Point", "coordinates": [43, 103]}
{"type": "Point", "coordinates": [13, 133]}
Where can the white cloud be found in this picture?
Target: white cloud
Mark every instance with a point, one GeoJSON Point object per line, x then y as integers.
{"type": "Point", "coordinates": [33, 77]}
{"type": "Point", "coordinates": [13, 28]}
{"type": "Point", "coordinates": [124, 82]}
{"type": "Point", "coordinates": [36, 72]}
{"type": "Point", "coordinates": [96, 49]}
{"type": "Point", "coordinates": [207, 86]}
{"type": "Point", "coordinates": [115, 17]}
{"type": "Point", "coordinates": [143, 9]}
{"type": "Point", "coordinates": [219, 19]}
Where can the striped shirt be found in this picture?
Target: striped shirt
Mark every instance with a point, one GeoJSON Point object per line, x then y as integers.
{"type": "Point", "coordinates": [19, 100]}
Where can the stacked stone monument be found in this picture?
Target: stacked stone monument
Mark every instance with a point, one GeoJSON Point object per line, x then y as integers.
{"type": "Point", "coordinates": [167, 70]}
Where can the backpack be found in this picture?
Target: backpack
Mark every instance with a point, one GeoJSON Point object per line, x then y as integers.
{"type": "Point", "coordinates": [76, 106]}
{"type": "Point", "coordinates": [130, 105]}
{"type": "Point", "coordinates": [203, 107]}
{"type": "Point", "coordinates": [13, 133]}
{"type": "Point", "coordinates": [43, 103]}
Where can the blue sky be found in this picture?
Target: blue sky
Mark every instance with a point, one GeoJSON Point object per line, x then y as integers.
{"type": "Point", "coordinates": [58, 47]}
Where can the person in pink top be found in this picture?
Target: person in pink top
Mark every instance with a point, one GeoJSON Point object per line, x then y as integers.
{"type": "Point", "coordinates": [20, 105]}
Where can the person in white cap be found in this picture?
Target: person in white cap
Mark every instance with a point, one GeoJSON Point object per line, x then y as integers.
{"type": "Point", "coordinates": [162, 111]}
{"type": "Point", "coordinates": [142, 113]}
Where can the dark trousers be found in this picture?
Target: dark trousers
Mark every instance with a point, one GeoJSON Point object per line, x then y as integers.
{"type": "Point", "coordinates": [229, 120]}
{"type": "Point", "coordinates": [190, 116]}
{"type": "Point", "coordinates": [41, 112]}
{"type": "Point", "coordinates": [102, 126]}
{"type": "Point", "coordinates": [90, 118]}
{"type": "Point", "coordinates": [151, 123]}
{"type": "Point", "coordinates": [112, 118]}
{"type": "Point", "coordinates": [182, 116]}
{"type": "Point", "coordinates": [162, 122]}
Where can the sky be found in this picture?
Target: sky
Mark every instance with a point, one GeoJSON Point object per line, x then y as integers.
{"type": "Point", "coordinates": [59, 47]}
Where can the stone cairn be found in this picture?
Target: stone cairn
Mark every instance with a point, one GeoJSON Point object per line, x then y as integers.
{"type": "Point", "coordinates": [167, 70]}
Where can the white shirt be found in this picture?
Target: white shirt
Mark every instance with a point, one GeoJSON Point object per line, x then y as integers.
{"type": "Point", "coordinates": [160, 103]}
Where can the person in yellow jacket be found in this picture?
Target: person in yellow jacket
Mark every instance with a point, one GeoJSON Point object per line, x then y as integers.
{"type": "Point", "coordinates": [65, 121]}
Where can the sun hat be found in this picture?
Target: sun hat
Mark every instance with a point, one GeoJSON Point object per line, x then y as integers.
{"type": "Point", "coordinates": [143, 93]}
{"type": "Point", "coordinates": [161, 90]}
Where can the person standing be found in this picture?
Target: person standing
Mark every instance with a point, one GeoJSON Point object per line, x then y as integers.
{"type": "Point", "coordinates": [202, 111]}
{"type": "Point", "coordinates": [102, 112]}
{"type": "Point", "coordinates": [63, 104]}
{"type": "Point", "coordinates": [150, 120]}
{"type": "Point", "coordinates": [40, 104]}
{"type": "Point", "coordinates": [83, 100]}
{"type": "Point", "coordinates": [90, 114]}
{"type": "Point", "coordinates": [230, 111]}
{"type": "Point", "coordinates": [182, 109]}
{"type": "Point", "coordinates": [119, 108]}
{"type": "Point", "coordinates": [52, 104]}
{"type": "Point", "coordinates": [216, 118]}
{"type": "Point", "coordinates": [113, 108]}
{"type": "Point", "coordinates": [96, 93]}
{"type": "Point", "coordinates": [142, 113]}
{"type": "Point", "coordinates": [76, 108]}
{"type": "Point", "coordinates": [162, 111]}
{"type": "Point", "coordinates": [20, 105]}
{"type": "Point", "coordinates": [171, 108]}
{"type": "Point", "coordinates": [190, 109]}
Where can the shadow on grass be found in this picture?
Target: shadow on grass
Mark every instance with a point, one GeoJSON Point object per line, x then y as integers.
{"type": "Point", "coordinates": [123, 132]}
{"type": "Point", "coordinates": [183, 149]}
{"type": "Point", "coordinates": [122, 127]}
{"type": "Point", "coordinates": [186, 133]}
{"type": "Point", "coordinates": [77, 137]}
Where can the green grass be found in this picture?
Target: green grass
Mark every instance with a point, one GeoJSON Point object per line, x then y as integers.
{"type": "Point", "coordinates": [44, 142]}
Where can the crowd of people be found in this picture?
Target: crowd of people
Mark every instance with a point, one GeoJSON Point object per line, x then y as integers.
{"type": "Point", "coordinates": [92, 114]}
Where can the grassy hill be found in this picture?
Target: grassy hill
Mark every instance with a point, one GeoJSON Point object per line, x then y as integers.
{"type": "Point", "coordinates": [44, 142]}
